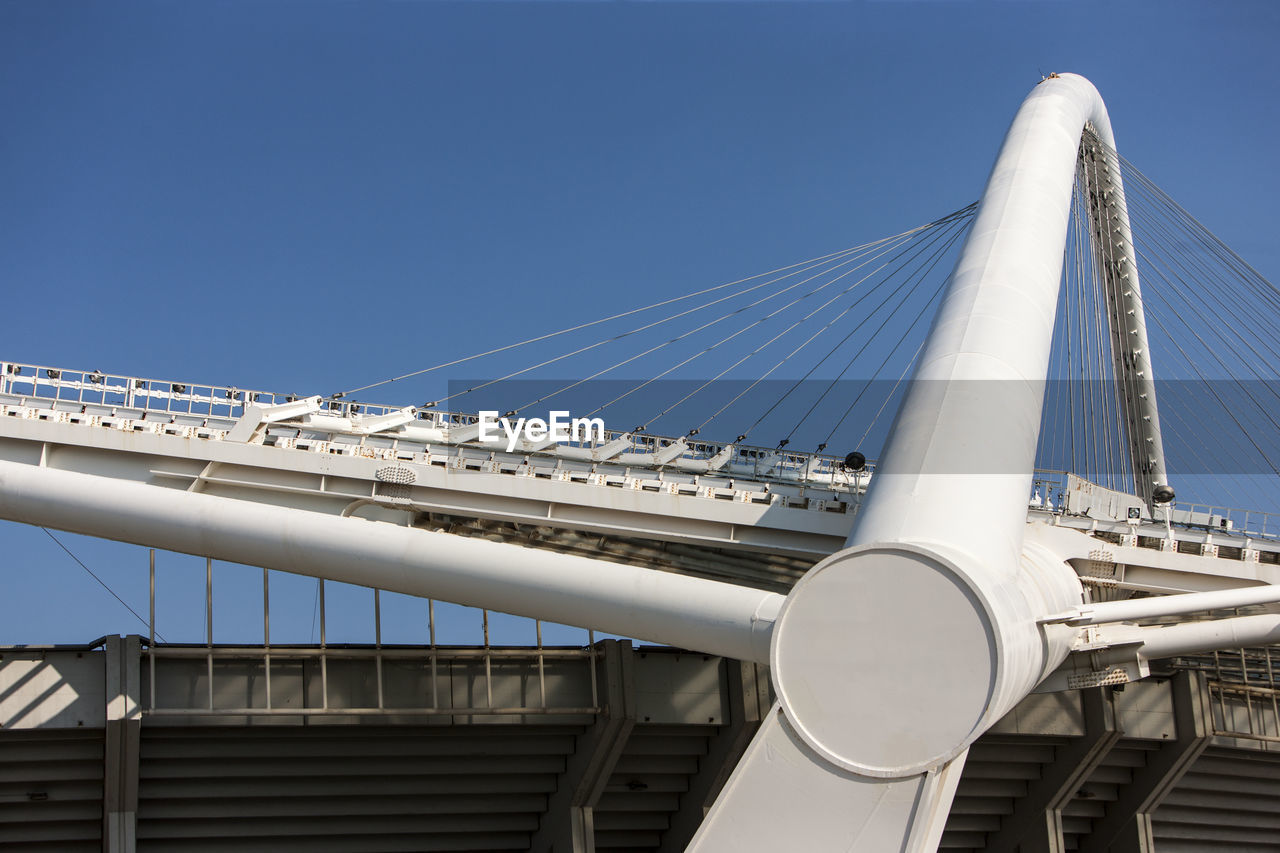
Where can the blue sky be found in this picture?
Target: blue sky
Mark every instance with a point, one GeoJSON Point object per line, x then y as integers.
{"type": "Point", "coordinates": [310, 196]}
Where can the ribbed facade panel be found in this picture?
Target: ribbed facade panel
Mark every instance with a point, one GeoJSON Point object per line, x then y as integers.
{"type": "Point", "coordinates": [51, 789]}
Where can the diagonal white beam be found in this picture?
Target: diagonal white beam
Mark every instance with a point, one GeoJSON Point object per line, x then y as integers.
{"type": "Point", "coordinates": [694, 613]}
{"type": "Point", "coordinates": [1181, 604]}
{"type": "Point", "coordinates": [777, 800]}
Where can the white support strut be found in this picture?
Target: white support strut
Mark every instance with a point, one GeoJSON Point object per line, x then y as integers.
{"type": "Point", "coordinates": [1168, 605]}
{"type": "Point", "coordinates": [719, 618]}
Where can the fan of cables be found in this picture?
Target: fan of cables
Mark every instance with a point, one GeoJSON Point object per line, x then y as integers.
{"type": "Point", "coordinates": [814, 355]}
{"type": "Point", "coordinates": [804, 356]}
{"type": "Point", "coordinates": [1210, 318]}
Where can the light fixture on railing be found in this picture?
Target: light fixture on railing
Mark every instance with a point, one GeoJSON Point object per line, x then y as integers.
{"type": "Point", "coordinates": [53, 373]}
{"type": "Point", "coordinates": [178, 388]}
{"type": "Point", "coordinates": [855, 461]}
{"type": "Point", "coordinates": [97, 377]}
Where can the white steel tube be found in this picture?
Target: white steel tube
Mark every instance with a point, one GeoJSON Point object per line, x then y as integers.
{"type": "Point", "coordinates": [959, 462]}
{"type": "Point", "coordinates": [1194, 637]}
{"type": "Point", "coordinates": [663, 607]}
{"type": "Point", "coordinates": [1170, 605]}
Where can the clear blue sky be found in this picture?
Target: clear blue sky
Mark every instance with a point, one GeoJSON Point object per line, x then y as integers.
{"type": "Point", "coordinates": [309, 196]}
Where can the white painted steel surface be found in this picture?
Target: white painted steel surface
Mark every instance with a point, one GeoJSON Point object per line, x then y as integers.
{"type": "Point", "coordinates": [989, 345]}
{"type": "Point", "coordinates": [1193, 637]}
{"type": "Point", "coordinates": [1169, 605]}
{"type": "Point", "coordinates": [719, 618]}
{"type": "Point", "coordinates": [865, 616]}
{"type": "Point", "coordinates": [942, 528]}
{"type": "Point", "coordinates": [776, 801]}
{"type": "Point", "coordinates": [975, 405]}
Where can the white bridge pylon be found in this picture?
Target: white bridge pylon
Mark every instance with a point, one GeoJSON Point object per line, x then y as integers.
{"type": "Point", "coordinates": [893, 655]}
{"type": "Point", "coordinates": [943, 609]}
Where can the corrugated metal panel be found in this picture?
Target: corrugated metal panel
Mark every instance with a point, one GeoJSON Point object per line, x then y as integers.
{"type": "Point", "coordinates": [484, 782]}
{"type": "Point", "coordinates": [995, 777]}
{"type": "Point", "coordinates": [323, 788]}
{"type": "Point", "coordinates": [51, 790]}
{"type": "Point", "coordinates": [644, 791]}
{"type": "Point", "coordinates": [1103, 787]}
{"type": "Point", "coordinates": [1228, 800]}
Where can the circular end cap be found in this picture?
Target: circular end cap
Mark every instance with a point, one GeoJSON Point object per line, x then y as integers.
{"type": "Point", "coordinates": [885, 660]}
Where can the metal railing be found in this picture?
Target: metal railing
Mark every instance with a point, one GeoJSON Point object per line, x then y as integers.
{"type": "Point", "coordinates": [177, 398]}
{"type": "Point", "coordinates": [766, 464]}
{"type": "Point", "coordinates": [435, 664]}
{"type": "Point", "coordinates": [1049, 494]}
{"type": "Point", "coordinates": [105, 389]}
{"type": "Point", "coordinates": [1244, 690]}
{"type": "Point", "coordinates": [1242, 522]}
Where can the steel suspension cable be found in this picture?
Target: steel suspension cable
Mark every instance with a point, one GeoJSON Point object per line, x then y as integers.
{"type": "Point", "coordinates": [897, 239]}
{"type": "Point", "coordinates": [1114, 424]}
{"type": "Point", "coordinates": [1202, 427]}
{"type": "Point", "coordinates": [1169, 249]}
{"type": "Point", "coordinates": [871, 314]}
{"type": "Point", "coordinates": [924, 310]}
{"type": "Point", "coordinates": [812, 261]}
{"type": "Point", "coordinates": [756, 323]}
{"type": "Point", "coordinates": [1213, 391]}
{"type": "Point", "coordinates": [651, 325]}
{"type": "Point", "coordinates": [1245, 271]}
{"type": "Point", "coordinates": [933, 262]}
{"type": "Point", "coordinates": [949, 229]}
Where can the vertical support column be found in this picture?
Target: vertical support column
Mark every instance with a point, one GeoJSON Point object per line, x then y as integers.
{"type": "Point", "coordinates": [568, 825]}
{"type": "Point", "coordinates": [748, 689]}
{"type": "Point", "coordinates": [1126, 827]}
{"type": "Point", "coordinates": [1036, 823]}
{"type": "Point", "coordinates": [120, 755]}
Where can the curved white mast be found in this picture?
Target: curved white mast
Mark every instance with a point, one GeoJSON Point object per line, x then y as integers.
{"type": "Point", "coordinates": [893, 655]}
